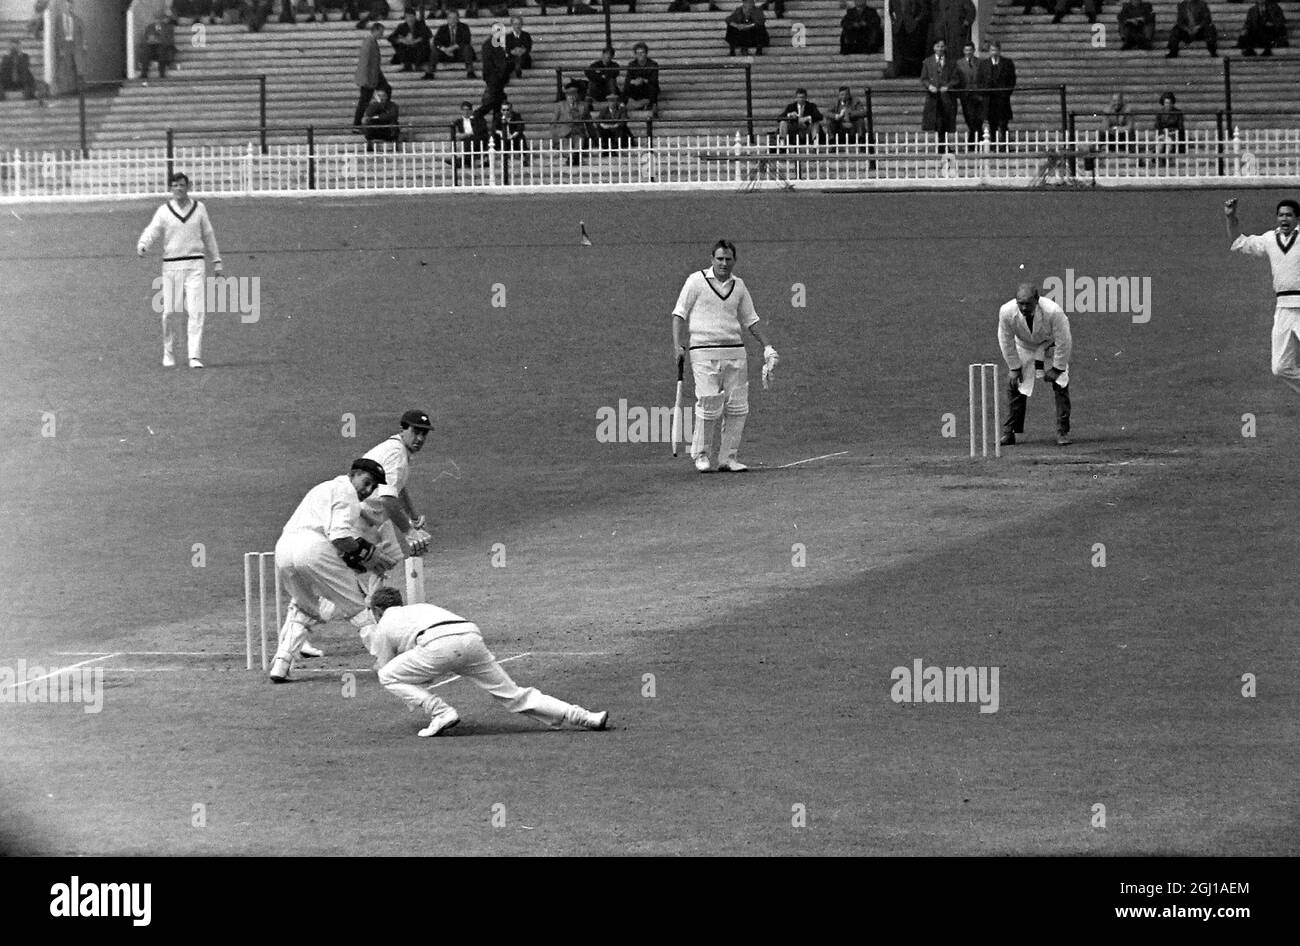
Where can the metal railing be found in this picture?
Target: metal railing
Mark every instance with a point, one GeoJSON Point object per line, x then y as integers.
{"type": "Point", "coordinates": [719, 162]}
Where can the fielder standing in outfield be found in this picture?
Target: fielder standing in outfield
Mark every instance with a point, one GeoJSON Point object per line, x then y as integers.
{"type": "Point", "coordinates": [416, 644]}
{"type": "Point", "coordinates": [1030, 331]}
{"type": "Point", "coordinates": [319, 557]}
{"type": "Point", "coordinates": [1277, 245]}
{"type": "Point", "coordinates": [715, 306]}
{"type": "Point", "coordinates": [186, 234]}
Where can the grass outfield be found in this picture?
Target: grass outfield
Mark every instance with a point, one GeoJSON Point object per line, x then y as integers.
{"type": "Point", "coordinates": [1119, 685]}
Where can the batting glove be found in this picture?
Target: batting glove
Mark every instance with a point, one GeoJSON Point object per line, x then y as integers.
{"type": "Point", "coordinates": [419, 541]}
{"type": "Point", "coordinates": [770, 360]}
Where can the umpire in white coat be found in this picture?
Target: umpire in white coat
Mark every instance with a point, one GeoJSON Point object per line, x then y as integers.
{"type": "Point", "coordinates": [1032, 331]}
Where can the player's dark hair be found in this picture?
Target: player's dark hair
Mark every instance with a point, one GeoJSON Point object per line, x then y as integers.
{"type": "Point", "coordinates": [800, 91]}
{"type": "Point", "coordinates": [1295, 207]}
{"type": "Point", "coordinates": [386, 598]}
{"type": "Point", "coordinates": [1173, 99]}
{"type": "Point", "coordinates": [640, 46]}
{"type": "Point", "coordinates": [726, 245]}
{"type": "Point", "coordinates": [178, 177]}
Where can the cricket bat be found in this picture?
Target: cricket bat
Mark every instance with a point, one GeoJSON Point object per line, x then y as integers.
{"type": "Point", "coordinates": [677, 408]}
{"type": "Point", "coordinates": [415, 580]}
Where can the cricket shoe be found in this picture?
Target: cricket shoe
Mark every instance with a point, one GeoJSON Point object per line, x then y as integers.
{"type": "Point", "coordinates": [441, 722]}
{"type": "Point", "coordinates": [1008, 440]}
{"type": "Point", "coordinates": [195, 363]}
{"type": "Point", "coordinates": [732, 466]}
{"type": "Point", "coordinates": [169, 361]}
{"type": "Point", "coordinates": [1063, 440]}
{"type": "Point", "coordinates": [279, 670]}
{"type": "Point", "coordinates": [311, 650]}
{"type": "Point", "coordinates": [597, 722]}
{"type": "Point", "coordinates": [702, 463]}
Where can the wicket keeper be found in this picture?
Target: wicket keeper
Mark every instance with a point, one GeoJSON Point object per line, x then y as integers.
{"type": "Point", "coordinates": [714, 306]}
{"type": "Point", "coordinates": [1277, 245]}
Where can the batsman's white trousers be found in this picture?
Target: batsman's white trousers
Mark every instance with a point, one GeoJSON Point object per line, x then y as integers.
{"type": "Point", "coordinates": [466, 654]}
{"type": "Point", "coordinates": [310, 570]}
{"type": "Point", "coordinates": [721, 391]}
{"type": "Point", "coordinates": [1286, 325]}
{"type": "Point", "coordinates": [184, 288]}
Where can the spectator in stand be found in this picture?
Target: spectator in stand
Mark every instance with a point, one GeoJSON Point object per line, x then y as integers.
{"type": "Point", "coordinates": [1171, 133]}
{"type": "Point", "coordinates": [847, 121]}
{"type": "Point", "coordinates": [376, 11]}
{"type": "Point", "coordinates": [159, 45]}
{"type": "Point", "coordinates": [69, 49]}
{"type": "Point", "coordinates": [497, 71]}
{"type": "Point", "coordinates": [747, 29]}
{"type": "Point", "coordinates": [641, 84]}
{"type": "Point", "coordinates": [602, 76]}
{"type": "Point", "coordinates": [1090, 9]}
{"type": "Point", "coordinates": [369, 77]}
{"type": "Point", "coordinates": [412, 42]}
{"type": "Point", "coordinates": [950, 21]}
{"type": "Point", "coordinates": [1265, 28]}
{"type": "Point", "coordinates": [1137, 25]}
{"type": "Point", "coordinates": [469, 132]}
{"type": "Point", "coordinates": [256, 13]}
{"type": "Point", "coordinates": [380, 120]}
{"type": "Point", "coordinates": [1117, 123]}
{"type": "Point", "coordinates": [861, 31]}
{"type": "Point", "coordinates": [939, 77]}
{"type": "Point", "coordinates": [611, 124]}
{"type": "Point", "coordinates": [1048, 5]}
{"type": "Point", "coordinates": [519, 47]}
{"type": "Point", "coordinates": [572, 123]}
{"type": "Point", "coordinates": [1001, 82]}
{"type": "Point", "coordinates": [684, 6]}
{"type": "Point", "coordinates": [453, 43]}
{"type": "Point", "coordinates": [36, 25]}
{"type": "Point", "coordinates": [1194, 22]}
{"type": "Point", "coordinates": [16, 72]}
{"type": "Point", "coordinates": [973, 72]}
{"type": "Point", "coordinates": [911, 27]}
{"type": "Point", "coordinates": [800, 120]}
{"type": "Point", "coordinates": [778, 7]}
{"type": "Point", "coordinates": [508, 130]}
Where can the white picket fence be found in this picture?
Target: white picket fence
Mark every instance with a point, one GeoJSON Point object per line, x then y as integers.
{"type": "Point", "coordinates": [711, 163]}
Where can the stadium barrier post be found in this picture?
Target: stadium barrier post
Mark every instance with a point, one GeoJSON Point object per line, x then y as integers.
{"type": "Point", "coordinates": [1218, 138]}
{"type": "Point", "coordinates": [871, 127]}
{"type": "Point", "coordinates": [171, 153]}
{"type": "Point", "coordinates": [559, 85]}
{"type": "Point", "coordinates": [749, 100]}
{"type": "Point", "coordinates": [1227, 89]}
{"type": "Point", "coordinates": [311, 158]}
{"type": "Point", "coordinates": [1071, 143]}
{"type": "Point", "coordinates": [1065, 125]}
{"type": "Point", "coordinates": [609, 28]}
{"type": "Point", "coordinates": [261, 108]}
{"type": "Point", "coordinates": [81, 118]}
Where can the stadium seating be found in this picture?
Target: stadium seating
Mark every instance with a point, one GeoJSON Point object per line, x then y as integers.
{"type": "Point", "coordinates": [309, 69]}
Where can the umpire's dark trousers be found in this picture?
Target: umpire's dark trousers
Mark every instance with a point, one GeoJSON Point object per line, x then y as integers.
{"type": "Point", "coordinates": [1015, 422]}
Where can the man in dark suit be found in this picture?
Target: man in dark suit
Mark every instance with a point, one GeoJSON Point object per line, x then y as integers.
{"type": "Point", "coordinates": [974, 79]}
{"type": "Point", "coordinates": [1001, 76]}
{"type": "Point", "coordinates": [1265, 28]}
{"type": "Point", "coordinates": [1137, 25]}
{"type": "Point", "coordinates": [380, 120]}
{"type": "Point", "coordinates": [602, 76]}
{"type": "Point", "coordinates": [861, 30]}
{"type": "Point", "coordinates": [369, 76]}
{"type": "Point", "coordinates": [800, 120]}
{"type": "Point", "coordinates": [469, 132]}
{"type": "Point", "coordinates": [508, 130]}
{"type": "Point", "coordinates": [16, 72]}
{"type": "Point", "coordinates": [611, 123]}
{"type": "Point", "coordinates": [940, 79]}
{"type": "Point", "coordinates": [453, 43]}
{"type": "Point", "coordinates": [519, 47]}
{"type": "Point", "coordinates": [1194, 22]}
{"type": "Point", "coordinates": [412, 42]}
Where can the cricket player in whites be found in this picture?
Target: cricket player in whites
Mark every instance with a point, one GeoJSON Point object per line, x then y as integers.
{"type": "Point", "coordinates": [1030, 331]}
{"type": "Point", "coordinates": [320, 557]}
{"type": "Point", "coordinates": [715, 306]}
{"type": "Point", "coordinates": [1279, 246]}
{"type": "Point", "coordinates": [186, 234]}
{"type": "Point", "coordinates": [416, 644]}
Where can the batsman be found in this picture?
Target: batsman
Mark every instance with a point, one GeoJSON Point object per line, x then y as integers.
{"type": "Point", "coordinates": [715, 306]}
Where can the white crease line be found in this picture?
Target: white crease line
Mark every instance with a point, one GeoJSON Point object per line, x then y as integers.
{"type": "Point", "coordinates": [824, 456]}
{"type": "Point", "coordinates": [146, 653]}
{"type": "Point", "coordinates": [570, 653]}
{"type": "Point", "coordinates": [501, 661]}
{"type": "Point", "coordinates": [61, 670]}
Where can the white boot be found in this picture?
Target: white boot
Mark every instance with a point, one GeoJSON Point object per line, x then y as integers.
{"type": "Point", "coordinates": [279, 670]}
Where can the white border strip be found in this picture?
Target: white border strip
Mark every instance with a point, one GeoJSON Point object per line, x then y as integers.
{"type": "Point", "coordinates": [824, 456]}
{"type": "Point", "coordinates": [61, 670]}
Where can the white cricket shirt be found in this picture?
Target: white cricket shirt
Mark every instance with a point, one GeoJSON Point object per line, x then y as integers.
{"type": "Point", "coordinates": [1283, 257]}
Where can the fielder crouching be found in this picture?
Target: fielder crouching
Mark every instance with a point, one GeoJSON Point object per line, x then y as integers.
{"type": "Point", "coordinates": [318, 558]}
{"type": "Point", "coordinates": [416, 644]}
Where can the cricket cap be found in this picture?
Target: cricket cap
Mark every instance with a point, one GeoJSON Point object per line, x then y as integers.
{"type": "Point", "coordinates": [417, 419]}
{"type": "Point", "coordinates": [367, 465]}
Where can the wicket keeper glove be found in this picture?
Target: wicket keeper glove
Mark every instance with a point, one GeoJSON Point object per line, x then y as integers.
{"type": "Point", "coordinates": [770, 361]}
{"type": "Point", "coordinates": [358, 557]}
